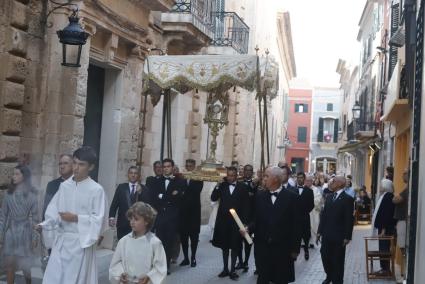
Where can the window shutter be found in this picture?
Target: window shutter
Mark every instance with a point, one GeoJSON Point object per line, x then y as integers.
{"type": "Point", "coordinates": [296, 108]}
{"type": "Point", "coordinates": [302, 134]}
{"type": "Point", "coordinates": [395, 19]}
{"type": "Point", "coordinates": [320, 134]}
{"type": "Point", "coordinates": [306, 108]}
{"type": "Point", "coordinates": [336, 127]}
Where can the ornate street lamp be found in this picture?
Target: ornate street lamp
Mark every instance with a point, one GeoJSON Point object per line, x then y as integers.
{"type": "Point", "coordinates": [74, 36]}
{"type": "Point", "coordinates": [356, 110]}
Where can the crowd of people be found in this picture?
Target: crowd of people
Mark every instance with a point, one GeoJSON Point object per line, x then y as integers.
{"type": "Point", "coordinates": [282, 212]}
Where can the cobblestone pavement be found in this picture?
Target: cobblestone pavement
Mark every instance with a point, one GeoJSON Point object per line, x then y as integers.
{"type": "Point", "coordinates": [307, 272]}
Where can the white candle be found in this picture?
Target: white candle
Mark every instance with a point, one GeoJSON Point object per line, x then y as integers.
{"type": "Point", "coordinates": [240, 225]}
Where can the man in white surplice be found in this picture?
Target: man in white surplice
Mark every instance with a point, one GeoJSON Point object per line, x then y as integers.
{"type": "Point", "coordinates": [77, 213]}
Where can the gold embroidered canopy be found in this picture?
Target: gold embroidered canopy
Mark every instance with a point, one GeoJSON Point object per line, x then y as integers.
{"type": "Point", "coordinates": [209, 73]}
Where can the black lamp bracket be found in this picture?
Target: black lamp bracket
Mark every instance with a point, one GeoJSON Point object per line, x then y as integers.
{"type": "Point", "coordinates": [60, 5]}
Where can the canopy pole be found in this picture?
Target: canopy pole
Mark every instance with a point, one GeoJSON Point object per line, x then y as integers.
{"type": "Point", "coordinates": [169, 138]}
{"type": "Point", "coordinates": [142, 135]}
{"type": "Point", "coordinates": [266, 128]}
{"type": "Point", "coordinates": [260, 116]}
{"type": "Point", "coordinates": [164, 113]}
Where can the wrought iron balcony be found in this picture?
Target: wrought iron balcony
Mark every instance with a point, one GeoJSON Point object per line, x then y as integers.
{"type": "Point", "coordinates": [188, 26]}
{"type": "Point", "coordinates": [364, 129]}
{"type": "Point", "coordinates": [200, 10]}
{"type": "Point", "coordinates": [358, 130]}
{"type": "Point", "coordinates": [230, 30]}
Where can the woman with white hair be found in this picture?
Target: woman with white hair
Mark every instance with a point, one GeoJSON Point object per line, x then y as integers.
{"type": "Point", "coordinates": [383, 219]}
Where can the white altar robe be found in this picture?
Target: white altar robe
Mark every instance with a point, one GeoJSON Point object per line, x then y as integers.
{"type": "Point", "coordinates": [73, 258]}
{"type": "Point", "coordinates": [139, 257]}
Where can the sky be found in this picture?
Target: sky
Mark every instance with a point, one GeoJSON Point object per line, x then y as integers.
{"type": "Point", "coordinates": [323, 32]}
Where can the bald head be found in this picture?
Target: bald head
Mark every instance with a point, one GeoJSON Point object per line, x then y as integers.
{"type": "Point", "coordinates": [337, 183]}
{"type": "Point", "coordinates": [273, 178]}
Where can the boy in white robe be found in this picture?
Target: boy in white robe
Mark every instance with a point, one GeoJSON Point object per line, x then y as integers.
{"type": "Point", "coordinates": [77, 213]}
{"type": "Point", "coordinates": [139, 256]}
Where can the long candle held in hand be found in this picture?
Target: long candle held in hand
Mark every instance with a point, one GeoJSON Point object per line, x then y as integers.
{"type": "Point", "coordinates": [240, 225]}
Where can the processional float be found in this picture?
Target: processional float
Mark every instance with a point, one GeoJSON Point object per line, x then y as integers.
{"type": "Point", "coordinates": [214, 75]}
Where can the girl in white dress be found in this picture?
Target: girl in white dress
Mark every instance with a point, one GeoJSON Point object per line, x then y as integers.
{"type": "Point", "coordinates": [139, 256]}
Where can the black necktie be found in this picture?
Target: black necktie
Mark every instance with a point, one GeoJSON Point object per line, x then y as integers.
{"type": "Point", "coordinates": [133, 194]}
{"type": "Point", "coordinates": [275, 194]}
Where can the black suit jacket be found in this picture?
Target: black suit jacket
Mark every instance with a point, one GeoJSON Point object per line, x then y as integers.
{"type": "Point", "coordinates": [226, 232]}
{"type": "Point", "coordinates": [150, 181]}
{"type": "Point", "coordinates": [121, 202]}
{"type": "Point", "coordinates": [385, 215]}
{"type": "Point", "coordinates": [190, 207]}
{"type": "Point", "coordinates": [51, 189]}
{"type": "Point", "coordinates": [306, 203]}
{"type": "Point", "coordinates": [336, 222]}
{"type": "Point", "coordinates": [276, 234]}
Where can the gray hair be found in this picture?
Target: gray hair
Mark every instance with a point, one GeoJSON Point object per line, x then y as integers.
{"type": "Point", "coordinates": [387, 185]}
{"type": "Point", "coordinates": [276, 172]}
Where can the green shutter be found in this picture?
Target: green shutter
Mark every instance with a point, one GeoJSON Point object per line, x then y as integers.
{"type": "Point", "coordinates": [320, 134]}
{"type": "Point", "coordinates": [336, 127]}
{"type": "Point", "coordinates": [306, 108]}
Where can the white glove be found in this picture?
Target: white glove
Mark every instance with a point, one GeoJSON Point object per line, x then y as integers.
{"type": "Point", "coordinates": [160, 195]}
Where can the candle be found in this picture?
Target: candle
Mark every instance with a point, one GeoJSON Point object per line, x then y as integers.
{"type": "Point", "coordinates": [240, 225]}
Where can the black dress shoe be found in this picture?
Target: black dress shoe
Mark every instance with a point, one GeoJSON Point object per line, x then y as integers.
{"type": "Point", "coordinates": [168, 272]}
{"type": "Point", "coordinates": [326, 281]}
{"type": "Point", "coordinates": [233, 275]}
{"type": "Point", "coordinates": [193, 263]}
{"type": "Point", "coordinates": [245, 267]}
{"type": "Point", "coordinates": [185, 262]}
{"type": "Point", "coordinates": [306, 255]}
{"type": "Point", "coordinates": [255, 272]}
{"type": "Point", "coordinates": [223, 274]}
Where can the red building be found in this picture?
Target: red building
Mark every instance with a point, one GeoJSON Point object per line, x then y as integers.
{"type": "Point", "coordinates": [298, 129]}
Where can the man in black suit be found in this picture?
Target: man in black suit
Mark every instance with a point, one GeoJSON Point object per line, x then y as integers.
{"type": "Point", "coordinates": [190, 216]}
{"type": "Point", "coordinates": [335, 230]}
{"type": "Point", "coordinates": [306, 202]}
{"type": "Point", "coordinates": [157, 170]}
{"type": "Point", "coordinates": [286, 183]}
{"type": "Point", "coordinates": [248, 172]}
{"type": "Point", "coordinates": [126, 195]}
{"type": "Point", "coordinates": [275, 230]}
{"type": "Point", "coordinates": [65, 171]}
{"type": "Point", "coordinates": [232, 195]}
{"type": "Point", "coordinates": [166, 193]}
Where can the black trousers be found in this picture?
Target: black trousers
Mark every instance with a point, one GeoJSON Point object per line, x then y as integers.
{"type": "Point", "coordinates": [184, 239]}
{"type": "Point", "coordinates": [333, 259]}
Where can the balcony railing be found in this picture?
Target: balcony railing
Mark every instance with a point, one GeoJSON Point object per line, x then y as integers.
{"type": "Point", "coordinates": [230, 30]}
{"type": "Point", "coordinates": [201, 11]}
{"type": "Point", "coordinates": [356, 129]}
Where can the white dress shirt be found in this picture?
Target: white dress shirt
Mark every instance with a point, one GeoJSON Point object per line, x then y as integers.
{"type": "Point", "coordinates": [232, 188]}
{"type": "Point", "coordinates": [132, 187]}
{"type": "Point", "coordinates": [274, 197]}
